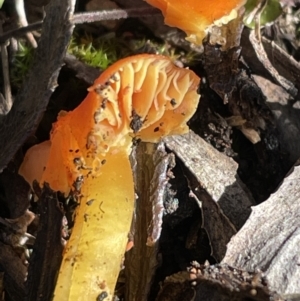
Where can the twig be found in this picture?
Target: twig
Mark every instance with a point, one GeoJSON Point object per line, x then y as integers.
{"type": "Point", "coordinates": [114, 14]}
{"type": "Point", "coordinates": [20, 9]}
{"type": "Point", "coordinates": [20, 31]}
{"type": "Point", "coordinates": [263, 58]}
{"type": "Point", "coordinates": [6, 101]}
{"type": "Point", "coordinates": [280, 59]}
{"type": "Point", "coordinates": [260, 8]}
{"type": "Point", "coordinates": [87, 18]}
{"type": "Point", "coordinates": [255, 15]}
{"type": "Point", "coordinates": [34, 96]}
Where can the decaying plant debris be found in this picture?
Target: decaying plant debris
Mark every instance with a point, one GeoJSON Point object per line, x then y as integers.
{"type": "Point", "coordinates": [152, 169]}
{"type": "Point", "coordinates": [193, 203]}
{"type": "Point", "coordinates": [224, 201]}
{"type": "Point", "coordinates": [269, 241]}
{"type": "Point", "coordinates": [40, 286]}
{"type": "Point", "coordinates": [218, 282]}
{"type": "Point", "coordinates": [32, 100]}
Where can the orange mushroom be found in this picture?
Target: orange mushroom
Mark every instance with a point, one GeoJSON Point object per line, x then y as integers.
{"type": "Point", "coordinates": [143, 96]}
{"type": "Point", "coordinates": [195, 17]}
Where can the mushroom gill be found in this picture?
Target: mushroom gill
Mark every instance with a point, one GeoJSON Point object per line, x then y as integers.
{"type": "Point", "coordinates": [144, 96]}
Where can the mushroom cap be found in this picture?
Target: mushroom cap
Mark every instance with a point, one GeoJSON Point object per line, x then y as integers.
{"type": "Point", "coordinates": [144, 96]}
{"type": "Point", "coordinates": [194, 17]}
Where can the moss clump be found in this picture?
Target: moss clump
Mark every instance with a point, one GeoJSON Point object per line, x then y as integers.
{"type": "Point", "coordinates": [21, 63]}
{"type": "Point", "coordinates": [98, 53]}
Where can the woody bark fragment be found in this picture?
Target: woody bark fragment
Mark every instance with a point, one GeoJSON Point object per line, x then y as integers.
{"type": "Point", "coordinates": [151, 176]}
{"type": "Point", "coordinates": [270, 239]}
{"type": "Point", "coordinates": [33, 98]}
{"type": "Point", "coordinates": [285, 64]}
{"type": "Point", "coordinates": [216, 173]}
{"type": "Point", "coordinates": [15, 272]}
{"type": "Point", "coordinates": [47, 251]}
{"type": "Point", "coordinates": [224, 199]}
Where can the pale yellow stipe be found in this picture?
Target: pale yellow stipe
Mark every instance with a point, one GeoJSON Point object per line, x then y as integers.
{"type": "Point", "coordinates": [93, 255]}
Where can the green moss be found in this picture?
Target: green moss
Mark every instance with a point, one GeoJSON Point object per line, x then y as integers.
{"type": "Point", "coordinates": [20, 64]}
{"type": "Point", "coordinates": [270, 13]}
{"type": "Point", "coordinates": [98, 53]}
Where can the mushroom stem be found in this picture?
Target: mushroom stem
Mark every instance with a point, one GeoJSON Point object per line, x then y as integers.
{"type": "Point", "coordinates": [93, 256]}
